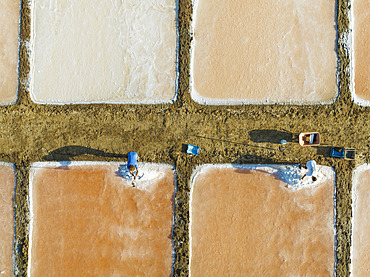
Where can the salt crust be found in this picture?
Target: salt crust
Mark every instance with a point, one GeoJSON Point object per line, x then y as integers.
{"type": "Point", "coordinates": [355, 180]}
{"type": "Point", "coordinates": [290, 174]}
{"type": "Point", "coordinates": [152, 171]}
{"type": "Point", "coordinates": [212, 101]}
{"type": "Point", "coordinates": [7, 164]}
{"type": "Point", "coordinates": [138, 79]}
{"type": "Point", "coordinates": [359, 101]}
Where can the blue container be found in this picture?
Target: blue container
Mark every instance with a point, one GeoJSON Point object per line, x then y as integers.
{"type": "Point", "coordinates": [192, 149]}
{"type": "Point", "coordinates": [337, 152]}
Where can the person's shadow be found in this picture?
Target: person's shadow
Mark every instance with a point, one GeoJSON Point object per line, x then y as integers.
{"type": "Point", "coordinates": [67, 152]}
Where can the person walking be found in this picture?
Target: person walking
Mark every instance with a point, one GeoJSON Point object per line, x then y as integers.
{"type": "Point", "coordinates": [311, 167]}
{"type": "Point", "coordinates": [132, 164]}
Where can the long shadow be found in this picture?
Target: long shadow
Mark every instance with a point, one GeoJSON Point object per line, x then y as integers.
{"type": "Point", "coordinates": [272, 136]}
{"type": "Point", "coordinates": [234, 142]}
{"type": "Point", "coordinates": [67, 152]}
{"type": "Point", "coordinates": [323, 150]}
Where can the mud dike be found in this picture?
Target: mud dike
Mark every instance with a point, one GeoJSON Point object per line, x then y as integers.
{"type": "Point", "coordinates": [226, 134]}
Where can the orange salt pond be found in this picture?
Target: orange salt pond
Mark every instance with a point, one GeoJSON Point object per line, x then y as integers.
{"type": "Point", "coordinates": [102, 51]}
{"type": "Point", "coordinates": [360, 257]}
{"type": "Point", "coordinates": [7, 183]}
{"type": "Point", "coordinates": [264, 52]}
{"type": "Point", "coordinates": [361, 34]}
{"type": "Point", "coordinates": [87, 220]}
{"type": "Point", "coordinates": [247, 221]}
{"type": "Point", "coordinates": [9, 32]}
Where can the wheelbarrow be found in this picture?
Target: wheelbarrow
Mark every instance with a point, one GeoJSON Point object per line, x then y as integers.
{"type": "Point", "coordinates": [309, 139]}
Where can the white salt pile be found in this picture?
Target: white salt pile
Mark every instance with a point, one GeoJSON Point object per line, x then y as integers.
{"type": "Point", "coordinates": [290, 174]}
{"type": "Point", "coordinates": [148, 173]}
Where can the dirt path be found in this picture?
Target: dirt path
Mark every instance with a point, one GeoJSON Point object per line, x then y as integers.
{"type": "Point", "coordinates": [32, 133]}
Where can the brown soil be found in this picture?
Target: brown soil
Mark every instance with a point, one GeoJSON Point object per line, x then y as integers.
{"type": "Point", "coordinates": [31, 133]}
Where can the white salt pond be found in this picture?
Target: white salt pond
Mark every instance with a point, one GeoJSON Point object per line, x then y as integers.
{"type": "Point", "coordinates": [102, 51]}
{"type": "Point", "coordinates": [266, 52]}
{"type": "Point", "coordinates": [361, 40]}
{"type": "Point", "coordinates": [246, 220]}
{"type": "Point", "coordinates": [360, 252]}
{"type": "Point", "coordinates": [9, 48]}
{"type": "Point", "coordinates": [88, 220]}
{"type": "Point", "coordinates": [7, 187]}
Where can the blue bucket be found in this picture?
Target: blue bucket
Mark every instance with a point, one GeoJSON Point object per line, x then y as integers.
{"type": "Point", "coordinates": [192, 149]}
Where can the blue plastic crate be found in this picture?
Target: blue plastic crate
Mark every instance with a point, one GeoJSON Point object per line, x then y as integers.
{"type": "Point", "coordinates": [192, 149]}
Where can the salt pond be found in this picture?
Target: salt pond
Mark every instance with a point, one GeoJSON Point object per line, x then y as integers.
{"type": "Point", "coordinates": [102, 51]}
{"type": "Point", "coordinates": [88, 220]}
{"type": "Point", "coordinates": [9, 33]}
{"type": "Point", "coordinates": [7, 187]}
{"type": "Point", "coordinates": [264, 52]}
{"type": "Point", "coordinates": [252, 219]}
{"type": "Point", "coordinates": [360, 254]}
{"type": "Point", "coordinates": [361, 35]}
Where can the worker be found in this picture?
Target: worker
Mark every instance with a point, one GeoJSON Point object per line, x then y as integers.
{"type": "Point", "coordinates": [311, 167]}
{"type": "Point", "coordinates": [132, 164]}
